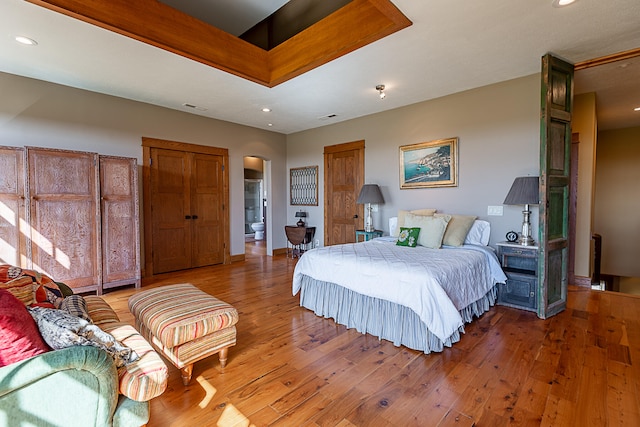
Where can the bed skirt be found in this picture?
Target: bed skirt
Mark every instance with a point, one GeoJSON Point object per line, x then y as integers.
{"type": "Point", "coordinates": [383, 319]}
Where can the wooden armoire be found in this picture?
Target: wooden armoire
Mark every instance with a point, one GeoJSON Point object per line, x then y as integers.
{"type": "Point", "coordinates": [72, 215]}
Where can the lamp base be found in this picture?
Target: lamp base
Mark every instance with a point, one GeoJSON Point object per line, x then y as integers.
{"type": "Point", "coordinates": [300, 223]}
{"type": "Point", "coordinates": [368, 221]}
{"type": "Point", "coordinates": [526, 241]}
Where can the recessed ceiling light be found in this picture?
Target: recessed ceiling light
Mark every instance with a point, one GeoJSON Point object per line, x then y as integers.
{"type": "Point", "coordinates": [636, 109]}
{"type": "Point", "coordinates": [25, 40]}
{"type": "Point", "coordinates": [266, 110]}
{"type": "Point", "coordinates": [270, 124]}
{"type": "Point", "coordinates": [562, 3]}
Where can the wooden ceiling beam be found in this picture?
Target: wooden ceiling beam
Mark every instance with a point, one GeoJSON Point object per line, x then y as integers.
{"type": "Point", "coordinates": [355, 25]}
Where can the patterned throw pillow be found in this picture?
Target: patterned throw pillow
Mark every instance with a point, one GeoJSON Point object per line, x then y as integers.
{"type": "Point", "coordinates": [408, 237]}
{"type": "Point", "coordinates": [76, 305]}
{"type": "Point", "coordinates": [59, 330]}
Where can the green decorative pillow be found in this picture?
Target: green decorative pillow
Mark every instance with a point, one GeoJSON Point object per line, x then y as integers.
{"type": "Point", "coordinates": [408, 237]}
{"type": "Point", "coordinates": [432, 228]}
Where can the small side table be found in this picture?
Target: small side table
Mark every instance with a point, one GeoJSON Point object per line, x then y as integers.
{"type": "Point", "coordinates": [367, 235]}
{"type": "Point", "coordinates": [520, 264]}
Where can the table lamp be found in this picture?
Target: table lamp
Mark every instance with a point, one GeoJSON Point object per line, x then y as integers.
{"type": "Point", "coordinates": [369, 194]}
{"type": "Point", "coordinates": [301, 215]}
{"type": "Point", "coordinates": [524, 191]}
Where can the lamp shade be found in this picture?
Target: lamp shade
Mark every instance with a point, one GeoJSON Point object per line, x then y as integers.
{"type": "Point", "coordinates": [301, 214]}
{"type": "Point", "coordinates": [370, 193]}
{"type": "Point", "coordinates": [524, 191]}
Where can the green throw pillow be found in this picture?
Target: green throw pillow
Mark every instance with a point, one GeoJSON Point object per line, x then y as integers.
{"type": "Point", "coordinates": [408, 237]}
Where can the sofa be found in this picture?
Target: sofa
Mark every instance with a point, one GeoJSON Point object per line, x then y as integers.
{"type": "Point", "coordinates": [75, 386]}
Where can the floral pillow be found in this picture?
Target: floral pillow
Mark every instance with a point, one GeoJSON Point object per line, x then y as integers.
{"type": "Point", "coordinates": [408, 237]}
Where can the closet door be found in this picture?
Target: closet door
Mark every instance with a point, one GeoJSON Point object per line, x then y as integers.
{"type": "Point", "coordinates": [13, 241]}
{"type": "Point", "coordinates": [187, 199]}
{"type": "Point", "coordinates": [170, 210]}
{"type": "Point", "coordinates": [206, 201]}
{"type": "Point", "coordinates": [65, 217]}
{"type": "Point", "coordinates": [120, 229]}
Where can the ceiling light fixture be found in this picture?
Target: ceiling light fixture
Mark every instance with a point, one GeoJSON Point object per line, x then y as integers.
{"type": "Point", "coordinates": [636, 109]}
{"type": "Point", "coordinates": [266, 110]}
{"type": "Point", "coordinates": [562, 3]}
{"type": "Point", "coordinates": [380, 89]}
{"type": "Point", "coordinates": [25, 40]}
{"type": "Point", "coordinates": [195, 107]}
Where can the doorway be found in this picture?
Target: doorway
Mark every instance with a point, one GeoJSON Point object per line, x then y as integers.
{"type": "Point", "coordinates": [610, 84]}
{"type": "Point", "coordinates": [255, 202]}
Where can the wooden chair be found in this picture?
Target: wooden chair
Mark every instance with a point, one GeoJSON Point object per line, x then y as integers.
{"type": "Point", "coordinates": [295, 236]}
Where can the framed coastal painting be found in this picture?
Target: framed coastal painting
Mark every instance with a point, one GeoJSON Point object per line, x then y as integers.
{"type": "Point", "coordinates": [429, 164]}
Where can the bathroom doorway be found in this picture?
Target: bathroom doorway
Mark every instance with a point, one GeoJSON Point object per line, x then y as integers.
{"type": "Point", "coordinates": [255, 200]}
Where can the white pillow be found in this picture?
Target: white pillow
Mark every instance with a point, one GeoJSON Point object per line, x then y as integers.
{"type": "Point", "coordinates": [479, 233]}
{"type": "Point", "coordinates": [393, 226]}
{"type": "Point", "coordinates": [431, 228]}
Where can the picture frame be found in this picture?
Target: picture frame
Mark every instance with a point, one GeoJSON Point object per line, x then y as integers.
{"type": "Point", "coordinates": [429, 164]}
{"type": "Point", "coordinates": [303, 186]}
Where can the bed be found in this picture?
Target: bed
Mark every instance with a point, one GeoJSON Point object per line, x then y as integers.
{"type": "Point", "coordinates": [419, 297]}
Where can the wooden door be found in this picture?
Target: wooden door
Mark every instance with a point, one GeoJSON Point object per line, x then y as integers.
{"type": "Point", "coordinates": [206, 213]}
{"type": "Point", "coordinates": [65, 218]}
{"type": "Point", "coordinates": [120, 229]}
{"type": "Point", "coordinates": [188, 196]}
{"type": "Point", "coordinates": [171, 211]}
{"type": "Point", "coordinates": [13, 240]}
{"type": "Point", "coordinates": [555, 146]}
{"type": "Point", "coordinates": [344, 176]}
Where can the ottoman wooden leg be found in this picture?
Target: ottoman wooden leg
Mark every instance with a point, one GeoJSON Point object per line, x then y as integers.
{"type": "Point", "coordinates": [223, 357]}
{"type": "Point", "coordinates": [186, 374]}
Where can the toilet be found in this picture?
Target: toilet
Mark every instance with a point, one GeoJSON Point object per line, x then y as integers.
{"type": "Point", "coordinates": [258, 227]}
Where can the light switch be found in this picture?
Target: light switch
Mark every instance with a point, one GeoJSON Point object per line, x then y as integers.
{"type": "Point", "coordinates": [494, 210]}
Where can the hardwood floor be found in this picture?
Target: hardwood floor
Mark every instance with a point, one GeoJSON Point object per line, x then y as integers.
{"type": "Point", "coordinates": [292, 368]}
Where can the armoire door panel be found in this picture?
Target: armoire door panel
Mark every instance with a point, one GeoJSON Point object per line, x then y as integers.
{"type": "Point", "coordinates": [64, 240]}
{"type": "Point", "coordinates": [64, 216]}
{"type": "Point", "coordinates": [120, 229]}
{"type": "Point", "coordinates": [13, 240]}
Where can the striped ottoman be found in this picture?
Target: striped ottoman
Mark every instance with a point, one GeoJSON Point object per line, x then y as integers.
{"type": "Point", "coordinates": [185, 324]}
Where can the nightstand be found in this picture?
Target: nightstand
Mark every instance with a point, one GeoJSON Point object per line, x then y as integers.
{"type": "Point", "coordinates": [367, 235]}
{"type": "Point", "coordinates": [520, 264]}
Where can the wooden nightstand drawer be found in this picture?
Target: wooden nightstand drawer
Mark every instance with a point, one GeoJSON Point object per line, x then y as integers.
{"type": "Point", "coordinates": [519, 291]}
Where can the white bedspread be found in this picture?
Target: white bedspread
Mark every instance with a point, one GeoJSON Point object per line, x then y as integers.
{"type": "Point", "coordinates": [434, 283]}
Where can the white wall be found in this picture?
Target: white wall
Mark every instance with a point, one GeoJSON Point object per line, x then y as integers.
{"type": "Point", "coordinates": [37, 113]}
{"type": "Point", "coordinates": [617, 201]}
{"type": "Point", "coordinates": [584, 122]}
{"type": "Point", "coordinates": [498, 131]}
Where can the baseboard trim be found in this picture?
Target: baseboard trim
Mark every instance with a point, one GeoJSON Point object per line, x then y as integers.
{"type": "Point", "coordinates": [582, 281]}
{"type": "Point", "coordinates": [237, 258]}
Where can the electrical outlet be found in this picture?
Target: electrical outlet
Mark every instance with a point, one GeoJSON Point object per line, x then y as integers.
{"type": "Point", "coordinates": [374, 208]}
{"type": "Point", "coordinates": [494, 210]}
{"type": "Point", "coordinates": [317, 243]}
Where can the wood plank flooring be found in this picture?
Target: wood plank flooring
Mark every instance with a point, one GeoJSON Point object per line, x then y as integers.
{"type": "Point", "coordinates": [292, 368]}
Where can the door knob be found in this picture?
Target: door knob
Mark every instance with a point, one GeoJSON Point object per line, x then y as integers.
{"type": "Point", "coordinates": [355, 216]}
{"type": "Point", "coordinates": [187, 217]}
